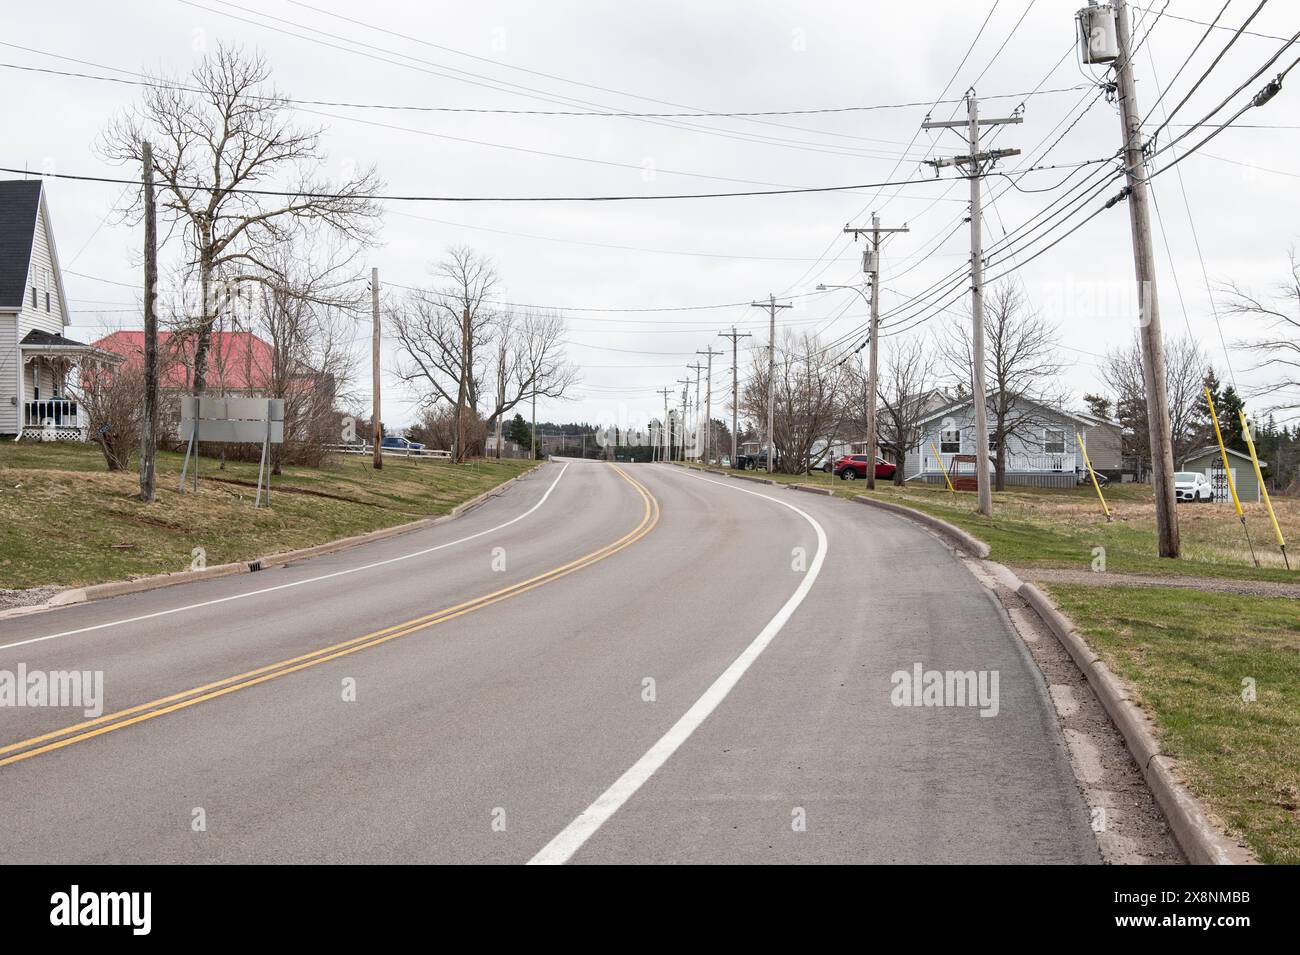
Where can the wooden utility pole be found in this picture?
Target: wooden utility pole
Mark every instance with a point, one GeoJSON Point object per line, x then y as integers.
{"type": "Point", "coordinates": [735, 384]}
{"type": "Point", "coordinates": [376, 427]}
{"type": "Point", "coordinates": [771, 307]}
{"type": "Point", "coordinates": [695, 444]}
{"type": "Point", "coordinates": [871, 267]}
{"type": "Point", "coordinates": [976, 162]}
{"type": "Point", "coordinates": [149, 434]}
{"type": "Point", "coordinates": [1153, 356]}
{"type": "Point", "coordinates": [681, 428]}
{"type": "Point", "coordinates": [708, 402]}
{"type": "Point", "coordinates": [665, 450]}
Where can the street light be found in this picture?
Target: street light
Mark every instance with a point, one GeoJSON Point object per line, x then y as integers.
{"type": "Point", "coordinates": [871, 387]}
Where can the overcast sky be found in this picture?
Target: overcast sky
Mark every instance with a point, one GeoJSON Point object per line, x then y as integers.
{"type": "Point", "coordinates": [705, 56]}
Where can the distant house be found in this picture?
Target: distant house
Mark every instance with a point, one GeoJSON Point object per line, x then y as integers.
{"type": "Point", "coordinates": [239, 365]}
{"type": "Point", "coordinates": [1043, 452]}
{"type": "Point", "coordinates": [35, 356]}
{"type": "Point", "coordinates": [1208, 462]}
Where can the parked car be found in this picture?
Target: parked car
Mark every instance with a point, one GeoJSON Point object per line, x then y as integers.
{"type": "Point", "coordinates": [853, 466]}
{"type": "Point", "coordinates": [400, 444]}
{"type": "Point", "coordinates": [1193, 486]}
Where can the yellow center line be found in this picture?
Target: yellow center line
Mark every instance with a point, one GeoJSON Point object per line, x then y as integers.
{"type": "Point", "coordinates": [210, 691]}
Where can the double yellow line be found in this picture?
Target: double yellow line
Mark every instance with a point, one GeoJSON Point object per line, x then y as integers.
{"type": "Point", "coordinates": [47, 742]}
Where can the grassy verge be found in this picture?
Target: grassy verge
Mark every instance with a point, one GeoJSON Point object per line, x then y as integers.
{"type": "Point", "coordinates": [65, 520]}
{"type": "Point", "coordinates": [1187, 654]}
{"type": "Point", "coordinates": [1059, 527]}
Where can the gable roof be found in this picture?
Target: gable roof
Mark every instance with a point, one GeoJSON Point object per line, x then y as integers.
{"type": "Point", "coordinates": [20, 201]}
{"type": "Point", "coordinates": [1215, 449]}
{"type": "Point", "coordinates": [968, 402]}
{"type": "Point", "coordinates": [239, 361]}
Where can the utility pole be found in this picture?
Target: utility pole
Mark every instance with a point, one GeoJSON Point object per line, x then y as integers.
{"type": "Point", "coordinates": [686, 390]}
{"type": "Point", "coordinates": [871, 267]}
{"type": "Point", "coordinates": [695, 444]}
{"type": "Point", "coordinates": [149, 434]}
{"type": "Point", "coordinates": [771, 307]}
{"type": "Point", "coordinates": [976, 162]}
{"type": "Point", "coordinates": [735, 384]}
{"type": "Point", "coordinates": [708, 402]}
{"type": "Point", "coordinates": [665, 434]}
{"type": "Point", "coordinates": [1153, 356]}
{"type": "Point", "coordinates": [376, 428]}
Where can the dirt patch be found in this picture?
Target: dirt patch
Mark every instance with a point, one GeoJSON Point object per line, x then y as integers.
{"type": "Point", "coordinates": [1223, 585]}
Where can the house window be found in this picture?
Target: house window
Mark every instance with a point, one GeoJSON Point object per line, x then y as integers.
{"type": "Point", "coordinates": [950, 442]}
{"type": "Point", "coordinates": [1053, 441]}
{"type": "Point", "coordinates": [33, 295]}
{"type": "Point", "coordinates": [47, 282]}
{"type": "Point", "coordinates": [993, 444]}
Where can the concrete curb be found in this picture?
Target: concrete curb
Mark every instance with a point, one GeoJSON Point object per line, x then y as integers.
{"type": "Point", "coordinates": [958, 537]}
{"type": "Point", "coordinates": [1200, 839]}
{"type": "Point", "coordinates": [77, 595]}
{"type": "Point", "coordinates": [756, 480]}
{"type": "Point", "coordinates": [811, 489]}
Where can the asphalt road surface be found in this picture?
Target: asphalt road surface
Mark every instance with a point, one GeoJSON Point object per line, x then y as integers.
{"type": "Point", "coordinates": [601, 664]}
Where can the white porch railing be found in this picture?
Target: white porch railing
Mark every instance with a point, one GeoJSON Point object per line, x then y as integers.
{"type": "Point", "coordinates": [52, 413]}
{"type": "Point", "coordinates": [1033, 463]}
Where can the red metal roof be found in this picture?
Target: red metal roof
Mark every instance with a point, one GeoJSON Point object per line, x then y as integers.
{"type": "Point", "coordinates": [236, 360]}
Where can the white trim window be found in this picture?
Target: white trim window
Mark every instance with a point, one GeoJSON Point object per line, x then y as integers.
{"type": "Point", "coordinates": [950, 441]}
{"type": "Point", "coordinates": [1053, 441]}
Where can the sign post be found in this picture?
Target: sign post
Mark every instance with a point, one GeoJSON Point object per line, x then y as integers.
{"type": "Point", "coordinates": [233, 421]}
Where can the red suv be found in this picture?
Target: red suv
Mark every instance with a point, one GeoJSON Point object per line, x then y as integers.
{"type": "Point", "coordinates": [853, 466]}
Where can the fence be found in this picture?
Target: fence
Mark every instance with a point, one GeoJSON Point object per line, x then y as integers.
{"type": "Point", "coordinates": [389, 452]}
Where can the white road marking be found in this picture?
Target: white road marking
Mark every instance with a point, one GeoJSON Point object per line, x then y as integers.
{"type": "Point", "coordinates": [560, 849]}
{"type": "Point", "coordinates": [296, 583]}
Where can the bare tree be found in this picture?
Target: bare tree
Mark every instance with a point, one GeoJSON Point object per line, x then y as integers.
{"type": "Point", "coordinates": [221, 133]}
{"type": "Point", "coordinates": [112, 396]}
{"type": "Point", "coordinates": [1022, 369]}
{"type": "Point", "coordinates": [1186, 366]}
{"type": "Point", "coordinates": [443, 332]}
{"type": "Point", "coordinates": [809, 392]}
{"type": "Point", "coordinates": [907, 380]}
{"type": "Point", "coordinates": [307, 316]}
{"type": "Point", "coordinates": [454, 339]}
{"type": "Point", "coordinates": [1279, 350]}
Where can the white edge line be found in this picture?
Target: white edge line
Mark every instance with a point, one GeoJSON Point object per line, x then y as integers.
{"type": "Point", "coordinates": [560, 849]}
{"type": "Point", "coordinates": [295, 583]}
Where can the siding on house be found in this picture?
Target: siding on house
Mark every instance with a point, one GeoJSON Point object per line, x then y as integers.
{"type": "Point", "coordinates": [8, 373]}
{"type": "Point", "coordinates": [1242, 469]}
{"type": "Point", "coordinates": [1105, 442]}
{"type": "Point", "coordinates": [40, 276]}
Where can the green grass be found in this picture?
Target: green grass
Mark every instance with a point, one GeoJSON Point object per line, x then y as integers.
{"type": "Point", "coordinates": [65, 520]}
{"type": "Point", "coordinates": [1059, 527]}
{"type": "Point", "coordinates": [1187, 653]}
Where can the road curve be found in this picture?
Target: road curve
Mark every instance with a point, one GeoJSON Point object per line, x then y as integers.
{"type": "Point", "coordinates": [625, 597]}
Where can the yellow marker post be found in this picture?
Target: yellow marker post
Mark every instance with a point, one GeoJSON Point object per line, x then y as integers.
{"type": "Point", "coordinates": [1250, 444]}
{"type": "Point", "coordinates": [1227, 473]}
{"type": "Point", "coordinates": [1092, 474]}
{"type": "Point", "coordinates": [939, 458]}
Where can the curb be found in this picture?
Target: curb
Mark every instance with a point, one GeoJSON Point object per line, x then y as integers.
{"type": "Point", "coordinates": [116, 588]}
{"type": "Point", "coordinates": [756, 480]}
{"type": "Point", "coordinates": [1200, 839]}
{"type": "Point", "coordinates": [955, 535]}
{"type": "Point", "coordinates": [811, 489]}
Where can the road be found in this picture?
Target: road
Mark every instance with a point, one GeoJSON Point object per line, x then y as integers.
{"type": "Point", "coordinates": [600, 664]}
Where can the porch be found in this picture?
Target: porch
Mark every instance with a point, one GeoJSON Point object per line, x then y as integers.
{"type": "Point", "coordinates": [1024, 469]}
{"type": "Point", "coordinates": [46, 362]}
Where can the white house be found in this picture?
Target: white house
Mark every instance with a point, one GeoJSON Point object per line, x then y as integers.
{"type": "Point", "coordinates": [35, 357]}
{"type": "Point", "coordinates": [1043, 450]}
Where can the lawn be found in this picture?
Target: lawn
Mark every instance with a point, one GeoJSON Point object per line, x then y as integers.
{"type": "Point", "coordinates": [1059, 527]}
{"type": "Point", "coordinates": [65, 520]}
{"type": "Point", "coordinates": [1187, 654]}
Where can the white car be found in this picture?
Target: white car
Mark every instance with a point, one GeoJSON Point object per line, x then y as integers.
{"type": "Point", "coordinates": [1193, 486]}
